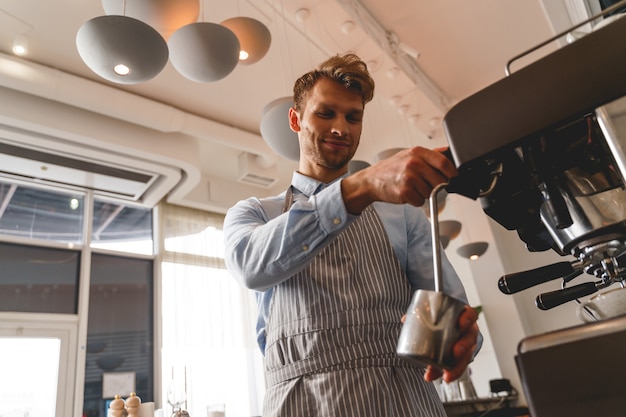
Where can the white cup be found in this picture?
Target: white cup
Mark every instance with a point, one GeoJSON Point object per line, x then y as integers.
{"type": "Point", "coordinates": [605, 305]}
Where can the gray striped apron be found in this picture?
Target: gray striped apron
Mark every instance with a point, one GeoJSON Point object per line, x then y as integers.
{"type": "Point", "coordinates": [332, 332]}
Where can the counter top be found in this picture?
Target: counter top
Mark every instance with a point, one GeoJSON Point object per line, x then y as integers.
{"type": "Point", "coordinates": [480, 405]}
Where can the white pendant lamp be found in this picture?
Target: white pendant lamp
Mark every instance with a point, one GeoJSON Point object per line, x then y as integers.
{"type": "Point", "coordinates": [121, 49]}
{"type": "Point", "coordinates": [473, 251]}
{"type": "Point", "coordinates": [254, 38]}
{"type": "Point", "coordinates": [275, 128]}
{"type": "Point", "coordinates": [166, 16]}
{"type": "Point", "coordinates": [387, 153]}
{"type": "Point", "coordinates": [356, 165]}
{"type": "Point", "coordinates": [449, 228]}
{"type": "Point", "coordinates": [204, 52]}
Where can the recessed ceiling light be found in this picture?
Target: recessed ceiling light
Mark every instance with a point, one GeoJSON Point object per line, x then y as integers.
{"type": "Point", "coordinates": [347, 27]}
{"type": "Point", "coordinates": [20, 45]}
{"type": "Point", "coordinates": [302, 14]}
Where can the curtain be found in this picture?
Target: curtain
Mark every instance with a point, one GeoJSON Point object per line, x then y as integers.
{"type": "Point", "coordinates": [209, 351]}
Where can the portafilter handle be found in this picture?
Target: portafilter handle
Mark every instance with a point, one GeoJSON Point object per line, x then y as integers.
{"type": "Point", "coordinates": [519, 281]}
{"type": "Point", "coordinates": [552, 299]}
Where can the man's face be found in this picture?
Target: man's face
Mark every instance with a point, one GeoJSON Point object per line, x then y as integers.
{"type": "Point", "coordinates": [329, 129]}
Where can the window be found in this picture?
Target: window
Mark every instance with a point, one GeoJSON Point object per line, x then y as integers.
{"type": "Point", "coordinates": [208, 347]}
{"type": "Point", "coordinates": [46, 255]}
{"type": "Point", "coordinates": [38, 213]}
{"type": "Point", "coordinates": [38, 279]}
{"type": "Point", "coordinates": [209, 350]}
{"type": "Point", "coordinates": [121, 227]}
{"type": "Point", "coordinates": [120, 328]}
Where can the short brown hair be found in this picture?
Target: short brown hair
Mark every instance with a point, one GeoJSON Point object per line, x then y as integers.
{"type": "Point", "coordinates": [348, 70]}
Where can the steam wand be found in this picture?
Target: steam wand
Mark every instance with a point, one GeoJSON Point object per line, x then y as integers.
{"type": "Point", "coordinates": [434, 230]}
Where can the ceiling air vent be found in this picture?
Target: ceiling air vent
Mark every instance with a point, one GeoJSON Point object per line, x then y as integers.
{"type": "Point", "coordinates": [252, 173]}
{"type": "Point", "coordinates": [105, 173]}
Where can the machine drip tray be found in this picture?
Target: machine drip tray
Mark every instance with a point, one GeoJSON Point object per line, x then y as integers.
{"type": "Point", "coordinates": [576, 372]}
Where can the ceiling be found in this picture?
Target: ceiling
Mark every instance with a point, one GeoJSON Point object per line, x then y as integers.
{"type": "Point", "coordinates": [424, 55]}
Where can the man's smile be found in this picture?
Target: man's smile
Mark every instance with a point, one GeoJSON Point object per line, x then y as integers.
{"type": "Point", "coordinates": [336, 144]}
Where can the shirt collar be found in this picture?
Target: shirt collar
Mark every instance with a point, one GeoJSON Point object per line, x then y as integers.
{"type": "Point", "coordinates": [309, 186]}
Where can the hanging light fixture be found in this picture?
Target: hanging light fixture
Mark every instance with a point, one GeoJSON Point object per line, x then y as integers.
{"type": "Point", "coordinates": [275, 128]}
{"type": "Point", "coordinates": [166, 16]}
{"type": "Point", "coordinates": [449, 228]}
{"type": "Point", "coordinates": [121, 49]}
{"type": "Point", "coordinates": [254, 38]}
{"type": "Point", "coordinates": [356, 165]}
{"type": "Point", "coordinates": [473, 250]}
{"type": "Point", "coordinates": [387, 153]}
{"type": "Point", "coordinates": [204, 51]}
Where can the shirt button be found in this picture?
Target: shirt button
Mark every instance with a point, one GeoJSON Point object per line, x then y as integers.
{"type": "Point", "coordinates": [336, 220]}
{"type": "Point", "coordinates": [305, 248]}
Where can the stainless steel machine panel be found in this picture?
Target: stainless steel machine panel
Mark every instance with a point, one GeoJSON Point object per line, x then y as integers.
{"type": "Point", "coordinates": [576, 372]}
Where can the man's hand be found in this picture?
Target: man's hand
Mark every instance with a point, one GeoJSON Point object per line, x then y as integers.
{"type": "Point", "coordinates": [463, 349]}
{"type": "Point", "coordinates": [407, 177]}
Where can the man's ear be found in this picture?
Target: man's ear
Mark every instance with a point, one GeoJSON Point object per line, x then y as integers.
{"type": "Point", "coordinates": [294, 120]}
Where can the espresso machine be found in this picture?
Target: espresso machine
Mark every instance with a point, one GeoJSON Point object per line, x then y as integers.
{"type": "Point", "coordinates": [544, 151]}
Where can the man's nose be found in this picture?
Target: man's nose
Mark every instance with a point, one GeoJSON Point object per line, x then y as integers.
{"type": "Point", "coordinates": [339, 127]}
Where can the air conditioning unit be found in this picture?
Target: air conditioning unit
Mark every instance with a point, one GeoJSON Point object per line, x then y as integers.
{"type": "Point", "coordinates": [32, 157]}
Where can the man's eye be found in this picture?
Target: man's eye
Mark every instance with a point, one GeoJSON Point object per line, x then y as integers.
{"type": "Point", "coordinates": [325, 114]}
{"type": "Point", "coordinates": [354, 119]}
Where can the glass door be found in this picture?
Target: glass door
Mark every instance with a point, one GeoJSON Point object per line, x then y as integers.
{"type": "Point", "coordinates": [38, 368]}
